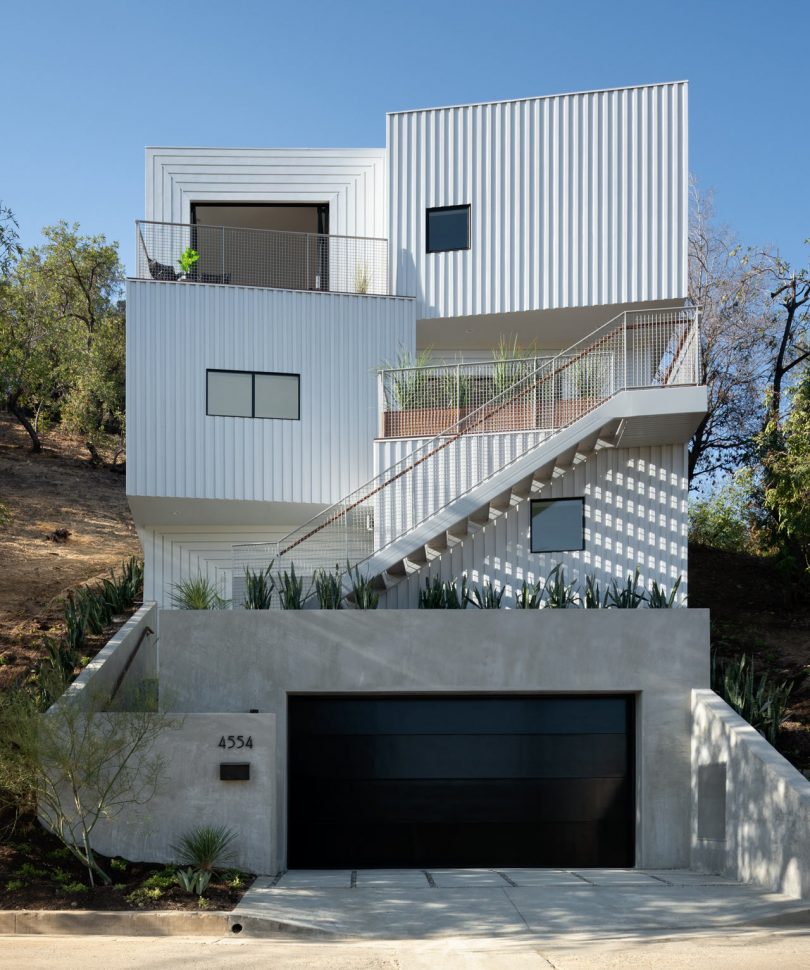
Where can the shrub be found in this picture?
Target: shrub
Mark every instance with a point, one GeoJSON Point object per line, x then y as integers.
{"type": "Point", "coordinates": [529, 597]}
{"type": "Point", "coordinates": [628, 597]}
{"type": "Point", "coordinates": [329, 589]}
{"type": "Point", "coordinates": [559, 595]}
{"type": "Point", "coordinates": [196, 594]}
{"type": "Point", "coordinates": [593, 599]}
{"type": "Point", "coordinates": [488, 598]}
{"type": "Point", "coordinates": [140, 897]}
{"type": "Point", "coordinates": [722, 520]}
{"type": "Point", "coordinates": [438, 595]}
{"type": "Point", "coordinates": [364, 595]}
{"type": "Point", "coordinates": [206, 848]}
{"type": "Point", "coordinates": [291, 590]}
{"type": "Point", "coordinates": [14, 884]}
{"type": "Point", "coordinates": [160, 880]}
{"type": "Point", "coordinates": [762, 703]}
{"type": "Point", "coordinates": [259, 589]}
{"type": "Point", "coordinates": [657, 598]}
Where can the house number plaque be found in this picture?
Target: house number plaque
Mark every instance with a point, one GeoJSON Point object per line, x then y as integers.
{"type": "Point", "coordinates": [235, 741]}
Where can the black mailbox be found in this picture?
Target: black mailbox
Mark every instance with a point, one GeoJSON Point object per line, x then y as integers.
{"type": "Point", "coordinates": [234, 771]}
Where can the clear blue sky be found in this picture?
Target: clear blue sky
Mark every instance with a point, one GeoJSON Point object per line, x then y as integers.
{"type": "Point", "coordinates": [88, 84]}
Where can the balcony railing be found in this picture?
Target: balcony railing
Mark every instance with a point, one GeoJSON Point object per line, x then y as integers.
{"type": "Point", "coordinates": [418, 402]}
{"type": "Point", "coordinates": [262, 257]}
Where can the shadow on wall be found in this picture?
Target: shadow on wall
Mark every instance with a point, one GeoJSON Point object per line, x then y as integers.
{"type": "Point", "coordinates": [750, 807]}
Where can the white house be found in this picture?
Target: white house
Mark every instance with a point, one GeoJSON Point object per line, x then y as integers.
{"type": "Point", "coordinates": [468, 354]}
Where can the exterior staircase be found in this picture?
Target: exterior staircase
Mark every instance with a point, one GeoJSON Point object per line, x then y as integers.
{"type": "Point", "coordinates": [636, 372]}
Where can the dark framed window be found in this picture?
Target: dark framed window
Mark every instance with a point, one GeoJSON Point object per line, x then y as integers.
{"type": "Point", "coordinates": [448, 228]}
{"type": "Point", "coordinates": [252, 394]}
{"type": "Point", "coordinates": [557, 525]}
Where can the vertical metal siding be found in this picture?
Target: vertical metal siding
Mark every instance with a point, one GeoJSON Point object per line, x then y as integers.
{"type": "Point", "coordinates": [334, 341]}
{"type": "Point", "coordinates": [577, 200]}
{"type": "Point", "coordinates": [635, 515]}
{"type": "Point", "coordinates": [351, 180]}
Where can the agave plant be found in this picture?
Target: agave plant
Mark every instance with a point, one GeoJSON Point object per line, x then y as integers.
{"type": "Point", "coordinates": [530, 596]}
{"type": "Point", "coordinates": [194, 881]}
{"type": "Point", "coordinates": [628, 597]}
{"type": "Point", "coordinates": [438, 595]}
{"type": "Point", "coordinates": [259, 589]}
{"type": "Point", "coordinates": [199, 593]}
{"type": "Point", "coordinates": [657, 598]}
{"type": "Point", "coordinates": [364, 595]}
{"type": "Point", "coordinates": [290, 588]}
{"type": "Point", "coordinates": [559, 595]}
{"type": "Point", "coordinates": [488, 598]}
{"type": "Point", "coordinates": [329, 589]}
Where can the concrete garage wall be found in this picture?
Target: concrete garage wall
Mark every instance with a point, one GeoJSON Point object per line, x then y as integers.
{"type": "Point", "coordinates": [192, 794]}
{"type": "Point", "coordinates": [751, 808]}
{"type": "Point", "coordinates": [244, 659]}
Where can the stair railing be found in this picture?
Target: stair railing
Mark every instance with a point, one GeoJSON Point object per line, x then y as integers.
{"type": "Point", "coordinates": [636, 349]}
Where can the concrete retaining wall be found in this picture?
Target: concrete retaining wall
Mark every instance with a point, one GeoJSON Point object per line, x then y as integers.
{"type": "Point", "coordinates": [99, 677]}
{"type": "Point", "coordinates": [240, 660]}
{"type": "Point", "coordinates": [751, 808]}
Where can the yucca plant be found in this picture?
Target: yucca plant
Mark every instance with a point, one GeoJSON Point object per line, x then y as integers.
{"type": "Point", "coordinates": [628, 597]}
{"type": "Point", "coordinates": [593, 599]}
{"type": "Point", "coordinates": [259, 589]}
{"type": "Point", "coordinates": [530, 596]}
{"type": "Point", "coordinates": [206, 848]}
{"type": "Point", "coordinates": [364, 595]}
{"type": "Point", "coordinates": [290, 588]}
{"type": "Point", "coordinates": [559, 595]}
{"type": "Point", "coordinates": [198, 593]}
{"type": "Point", "coordinates": [658, 599]}
{"type": "Point", "coordinates": [763, 703]}
{"type": "Point", "coordinates": [455, 597]}
{"type": "Point", "coordinates": [329, 589]}
{"type": "Point", "coordinates": [488, 598]}
{"type": "Point", "coordinates": [432, 596]}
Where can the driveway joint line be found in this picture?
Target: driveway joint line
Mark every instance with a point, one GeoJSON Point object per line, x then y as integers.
{"type": "Point", "coordinates": [430, 880]}
{"type": "Point", "coordinates": [576, 875]}
{"type": "Point", "coordinates": [506, 879]}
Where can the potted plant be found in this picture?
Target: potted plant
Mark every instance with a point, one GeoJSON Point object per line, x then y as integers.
{"type": "Point", "coordinates": [187, 260]}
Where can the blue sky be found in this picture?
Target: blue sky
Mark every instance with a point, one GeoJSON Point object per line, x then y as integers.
{"type": "Point", "coordinates": [87, 85]}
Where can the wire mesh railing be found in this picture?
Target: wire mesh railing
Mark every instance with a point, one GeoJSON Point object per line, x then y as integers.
{"type": "Point", "coordinates": [637, 349]}
{"type": "Point", "coordinates": [175, 252]}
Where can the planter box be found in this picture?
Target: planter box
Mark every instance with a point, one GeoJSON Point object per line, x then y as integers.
{"type": "Point", "coordinates": [420, 422]}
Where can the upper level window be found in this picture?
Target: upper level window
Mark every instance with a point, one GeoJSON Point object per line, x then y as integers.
{"type": "Point", "coordinates": [250, 394]}
{"type": "Point", "coordinates": [448, 227]}
{"type": "Point", "coordinates": [558, 525]}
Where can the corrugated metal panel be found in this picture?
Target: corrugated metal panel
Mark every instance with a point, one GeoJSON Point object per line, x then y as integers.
{"type": "Point", "coordinates": [577, 200]}
{"type": "Point", "coordinates": [635, 514]}
{"type": "Point", "coordinates": [334, 341]}
{"type": "Point", "coordinates": [351, 180]}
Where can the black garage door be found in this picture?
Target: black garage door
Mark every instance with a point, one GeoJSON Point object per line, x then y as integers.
{"type": "Point", "coordinates": [460, 781]}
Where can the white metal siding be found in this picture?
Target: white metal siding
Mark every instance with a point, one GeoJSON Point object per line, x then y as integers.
{"type": "Point", "coordinates": [334, 341]}
{"type": "Point", "coordinates": [577, 200]}
{"type": "Point", "coordinates": [351, 180]}
{"type": "Point", "coordinates": [635, 514]}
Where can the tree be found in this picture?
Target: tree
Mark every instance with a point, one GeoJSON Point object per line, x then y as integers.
{"type": "Point", "coordinates": [792, 292]}
{"type": "Point", "coordinates": [9, 242]}
{"type": "Point", "coordinates": [78, 763]}
{"type": "Point", "coordinates": [735, 333]}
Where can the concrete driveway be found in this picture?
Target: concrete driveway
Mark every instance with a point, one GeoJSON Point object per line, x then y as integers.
{"type": "Point", "coordinates": [520, 904]}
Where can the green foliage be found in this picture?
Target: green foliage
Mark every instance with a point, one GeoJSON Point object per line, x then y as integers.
{"type": "Point", "coordinates": [234, 879]}
{"type": "Point", "coordinates": [291, 592]}
{"type": "Point", "coordinates": [488, 598]}
{"type": "Point", "coordinates": [14, 884]}
{"type": "Point", "coordinates": [438, 595]}
{"type": "Point", "coordinates": [74, 887]}
{"type": "Point", "coordinates": [512, 362]}
{"type": "Point", "coordinates": [762, 702]}
{"type": "Point", "coordinates": [194, 881]}
{"type": "Point", "coordinates": [259, 589]}
{"type": "Point", "coordinates": [409, 384]}
{"type": "Point", "coordinates": [530, 597]}
{"type": "Point", "coordinates": [29, 871]}
{"type": "Point", "coordinates": [627, 597]}
{"type": "Point", "coordinates": [559, 595]}
{"type": "Point", "coordinates": [142, 897]}
{"type": "Point", "coordinates": [160, 880]}
{"type": "Point", "coordinates": [198, 593]}
{"type": "Point", "coordinates": [329, 589]}
{"type": "Point", "coordinates": [5, 515]}
{"type": "Point", "coordinates": [723, 520]}
{"type": "Point", "coordinates": [206, 848]}
{"type": "Point", "coordinates": [187, 260]}
{"type": "Point", "coordinates": [118, 865]}
{"type": "Point", "coordinates": [658, 599]}
{"type": "Point", "coordinates": [364, 595]}
{"type": "Point", "coordinates": [593, 599]}
{"type": "Point", "coordinates": [60, 656]}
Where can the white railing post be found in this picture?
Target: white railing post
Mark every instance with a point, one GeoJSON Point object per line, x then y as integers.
{"type": "Point", "coordinates": [626, 382]}
{"type": "Point", "coordinates": [381, 400]}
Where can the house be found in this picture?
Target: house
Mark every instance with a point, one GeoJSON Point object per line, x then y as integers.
{"type": "Point", "coordinates": [467, 356]}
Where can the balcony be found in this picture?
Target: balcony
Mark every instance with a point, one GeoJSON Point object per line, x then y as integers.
{"type": "Point", "coordinates": [261, 257]}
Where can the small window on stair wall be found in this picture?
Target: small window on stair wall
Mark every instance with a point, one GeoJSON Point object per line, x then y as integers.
{"type": "Point", "coordinates": [558, 525]}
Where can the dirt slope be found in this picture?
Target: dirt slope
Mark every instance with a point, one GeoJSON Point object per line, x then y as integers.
{"type": "Point", "coordinates": [57, 489]}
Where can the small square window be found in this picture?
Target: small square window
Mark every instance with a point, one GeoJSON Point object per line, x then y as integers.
{"type": "Point", "coordinates": [448, 228]}
{"type": "Point", "coordinates": [558, 525]}
{"type": "Point", "coordinates": [276, 396]}
{"type": "Point", "coordinates": [230, 393]}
